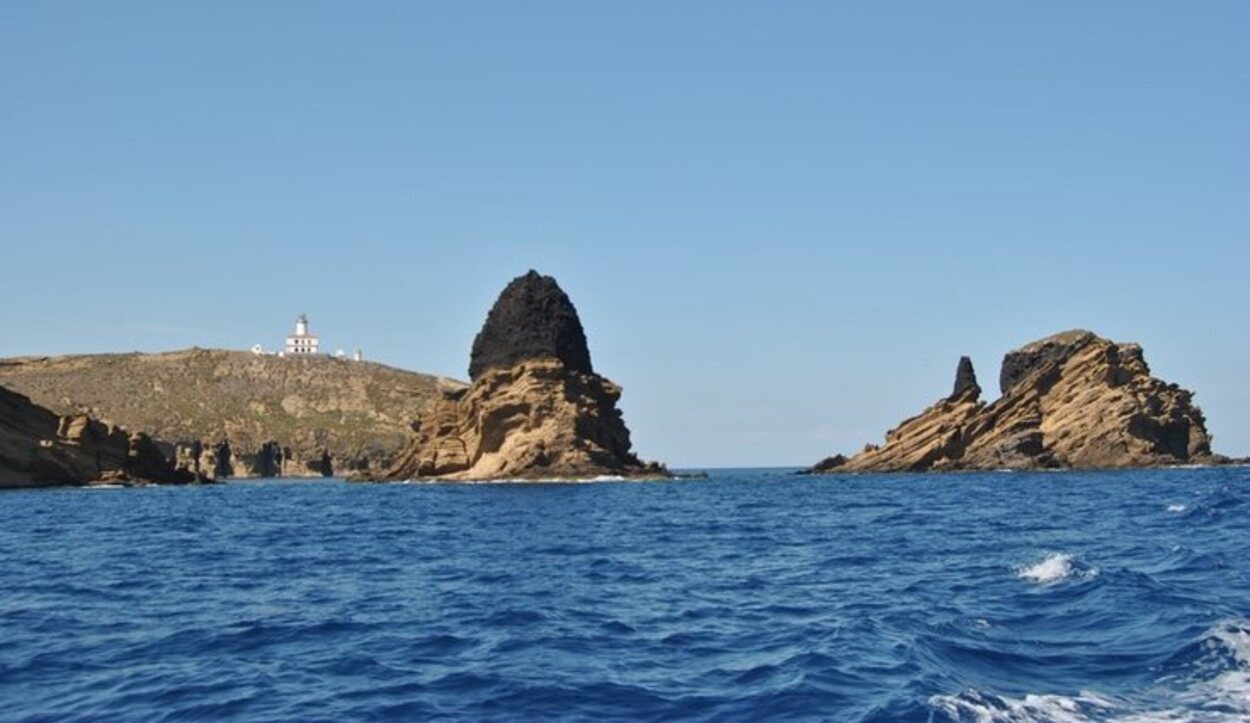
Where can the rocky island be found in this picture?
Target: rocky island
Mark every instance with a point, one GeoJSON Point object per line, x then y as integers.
{"type": "Point", "coordinates": [39, 448]}
{"type": "Point", "coordinates": [535, 408]}
{"type": "Point", "coordinates": [1073, 400]}
{"type": "Point", "coordinates": [234, 414]}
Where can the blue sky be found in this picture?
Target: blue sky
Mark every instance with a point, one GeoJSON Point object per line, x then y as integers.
{"type": "Point", "coordinates": [782, 222]}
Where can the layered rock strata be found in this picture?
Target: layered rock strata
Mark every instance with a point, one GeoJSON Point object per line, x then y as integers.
{"type": "Point", "coordinates": [39, 448]}
{"type": "Point", "coordinates": [1072, 400]}
{"type": "Point", "coordinates": [535, 408]}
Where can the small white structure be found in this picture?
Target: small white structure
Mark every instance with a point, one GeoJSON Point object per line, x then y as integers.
{"type": "Point", "coordinates": [302, 342]}
{"type": "Point", "coordinates": [358, 356]}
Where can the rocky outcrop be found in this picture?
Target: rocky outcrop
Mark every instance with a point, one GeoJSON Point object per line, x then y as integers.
{"type": "Point", "coordinates": [39, 448]}
{"type": "Point", "coordinates": [965, 379]}
{"type": "Point", "coordinates": [532, 319]}
{"type": "Point", "coordinates": [1072, 400]}
{"type": "Point", "coordinates": [535, 409]}
{"type": "Point", "coordinates": [235, 414]}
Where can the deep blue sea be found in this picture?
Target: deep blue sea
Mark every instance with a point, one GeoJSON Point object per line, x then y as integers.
{"type": "Point", "coordinates": [751, 595]}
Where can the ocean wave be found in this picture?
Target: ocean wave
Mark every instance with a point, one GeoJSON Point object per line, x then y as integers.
{"type": "Point", "coordinates": [974, 705]}
{"type": "Point", "coordinates": [1214, 687]}
{"type": "Point", "coordinates": [1056, 567]}
{"type": "Point", "coordinates": [752, 597]}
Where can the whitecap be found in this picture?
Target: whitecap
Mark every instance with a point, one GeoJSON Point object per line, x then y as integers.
{"type": "Point", "coordinates": [1176, 508]}
{"type": "Point", "coordinates": [1055, 567]}
{"type": "Point", "coordinates": [985, 708]}
{"type": "Point", "coordinates": [1219, 693]}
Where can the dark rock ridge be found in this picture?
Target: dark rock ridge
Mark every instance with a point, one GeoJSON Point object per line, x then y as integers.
{"type": "Point", "coordinates": [235, 414]}
{"type": "Point", "coordinates": [1072, 400]}
{"type": "Point", "coordinates": [39, 448]}
{"type": "Point", "coordinates": [965, 379]}
{"type": "Point", "coordinates": [533, 318]}
{"type": "Point", "coordinates": [535, 409]}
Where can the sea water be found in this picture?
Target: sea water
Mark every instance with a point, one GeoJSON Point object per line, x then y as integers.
{"type": "Point", "coordinates": [750, 595]}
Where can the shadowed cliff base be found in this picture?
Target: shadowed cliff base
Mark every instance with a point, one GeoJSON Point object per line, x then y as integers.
{"type": "Point", "coordinates": [1070, 401]}
{"type": "Point", "coordinates": [38, 448]}
{"type": "Point", "coordinates": [535, 409]}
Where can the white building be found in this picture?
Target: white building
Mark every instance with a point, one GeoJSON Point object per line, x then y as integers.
{"type": "Point", "coordinates": [302, 342]}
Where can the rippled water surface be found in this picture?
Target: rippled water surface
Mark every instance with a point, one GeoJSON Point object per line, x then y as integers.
{"type": "Point", "coordinates": [750, 595]}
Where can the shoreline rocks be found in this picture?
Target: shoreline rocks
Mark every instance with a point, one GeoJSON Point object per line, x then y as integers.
{"type": "Point", "coordinates": [234, 414]}
{"type": "Point", "coordinates": [535, 408]}
{"type": "Point", "coordinates": [38, 448]}
{"type": "Point", "coordinates": [1070, 401]}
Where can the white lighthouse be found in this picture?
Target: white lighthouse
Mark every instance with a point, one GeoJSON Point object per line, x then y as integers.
{"type": "Point", "coordinates": [302, 342]}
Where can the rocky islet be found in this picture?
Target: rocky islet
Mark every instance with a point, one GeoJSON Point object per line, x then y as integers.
{"type": "Point", "coordinates": [535, 408]}
{"type": "Point", "coordinates": [1073, 400]}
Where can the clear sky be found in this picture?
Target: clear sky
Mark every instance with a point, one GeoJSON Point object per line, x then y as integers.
{"type": "Point", "coordinates": [782, 222]}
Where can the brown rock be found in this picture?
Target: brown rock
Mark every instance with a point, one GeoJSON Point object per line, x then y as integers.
{"type": "Point", "coordinates": [1073, 400]}
{"type": "Point", "coordinates": [535, 408]}
{"type": "Point", "coordinates": [38, 448]}
{"type": "Point", "coordinates": [237, 414]}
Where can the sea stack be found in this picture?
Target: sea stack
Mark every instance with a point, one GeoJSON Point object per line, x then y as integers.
{"type": "Point", "coordinates": [535, 408]}
{"type": "Point", "coordinates": [1072, 400]}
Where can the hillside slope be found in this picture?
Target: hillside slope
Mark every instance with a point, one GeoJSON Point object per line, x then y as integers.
{"type": "Point", "coordinates": [236, 414]}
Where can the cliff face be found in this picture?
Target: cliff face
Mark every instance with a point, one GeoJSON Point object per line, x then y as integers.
{"type": "Point", "coordinates": [1072, 400]}
{"type": "Point", "coordinates": [39, 448]}
{"type": "Point", "coordinates": [235, 414]}
{"type": "Point", "coordinates": [535, 408]}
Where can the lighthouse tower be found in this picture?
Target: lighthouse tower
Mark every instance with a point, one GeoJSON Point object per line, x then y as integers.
{"type": "Point", "coordinates": [302, 342]}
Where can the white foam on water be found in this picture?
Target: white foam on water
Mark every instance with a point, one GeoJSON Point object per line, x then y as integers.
{"type": "Point", "coordinates": [1230, 689]}
{"type": "Point", "coordinates": [1032, 708]}
{"type": "Point", "coordinates": [1176, 508]}
{"type": "Point", "coordinates": [1224, 697]}
{"type": "Point", "coordinates": [1055, 567]}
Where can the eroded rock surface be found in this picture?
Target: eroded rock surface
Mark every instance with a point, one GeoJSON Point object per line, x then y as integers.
{"type": "Point", "coordinates": [533, 318]}
{"type": "Point", "coordinates": [40, 448]}
{"type": "Point", "coordinates": [535, 408]}
{"type": "Point", "coordinates": [235, 414]}
{"type": "Point", "coordinates": [1072, 400]}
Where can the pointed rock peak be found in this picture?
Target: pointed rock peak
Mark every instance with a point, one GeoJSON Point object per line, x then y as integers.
{"type": "Point", "coordinates": [965, 380]}
{"type": "Point", "coordinates": [532, 318]}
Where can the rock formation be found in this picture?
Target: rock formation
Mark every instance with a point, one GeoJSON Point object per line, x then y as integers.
{"type": "Point", "coordinates": [532, 319]}
{"type": "Point", "coordinates": [535, 407]}
{"type": "Point", "coordinates": [1072, 400]}
{"type": "Point", "coordinates": [236, 414]}
{"type": "Point", "coordinates": [965, 379]}
{"type": "Point", "coordinates": [38, 448]}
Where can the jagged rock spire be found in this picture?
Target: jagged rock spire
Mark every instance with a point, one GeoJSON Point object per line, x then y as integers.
{"type": "Point", "coordinates": [965, 379]}
{"type": "Point", "coordinates": [532, 318]}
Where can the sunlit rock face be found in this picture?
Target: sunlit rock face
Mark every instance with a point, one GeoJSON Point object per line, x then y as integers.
{"type": "Point", "coordinates": [535, 408]}
{"type": "Point", "coordinates": [1072, 400]}
{"type": "Point", "coordinates": [39, 448]}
